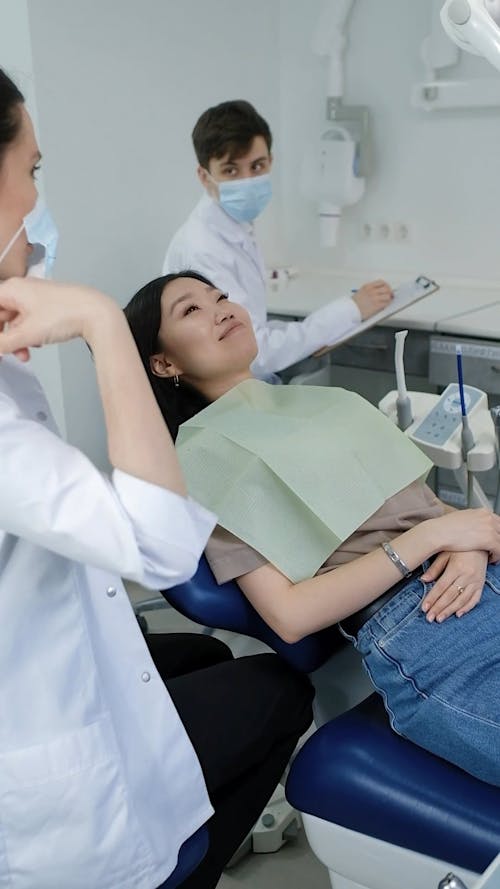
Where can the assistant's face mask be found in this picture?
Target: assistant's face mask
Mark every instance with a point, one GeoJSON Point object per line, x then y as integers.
{"type": "Point", "coordinates": [42, 234]}
{"type": "Point", "coordinates": [244, 199]}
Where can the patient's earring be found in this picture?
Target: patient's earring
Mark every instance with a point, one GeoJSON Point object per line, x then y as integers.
{"type": "Point", "coordinates": [176, 381]}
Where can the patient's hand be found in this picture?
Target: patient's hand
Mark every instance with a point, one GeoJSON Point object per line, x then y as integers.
{"type": "Point", "coordinates": [372, 298]}
{"type": "Point", "coordinates": [459, 583]}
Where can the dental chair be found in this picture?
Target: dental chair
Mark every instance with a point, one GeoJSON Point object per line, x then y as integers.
{"type": "Point", "coordinates": [378, 811]}
{"type": "Point", "coordinates": [382, 813]}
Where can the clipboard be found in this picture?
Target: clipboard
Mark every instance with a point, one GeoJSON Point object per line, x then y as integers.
{"type": "Point", "coordinates": [404, 295]}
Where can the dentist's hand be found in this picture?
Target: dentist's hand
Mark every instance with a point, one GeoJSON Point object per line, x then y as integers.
{"type": "Point", "coordinates": [459, 581]}
{"type": "Point", "coordinates": [372, 298]}
{"type": "Point", "coordinates": [36, 313]}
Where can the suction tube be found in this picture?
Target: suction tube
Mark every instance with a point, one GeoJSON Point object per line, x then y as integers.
{"type": "Point", "coordinates": [403, 403]}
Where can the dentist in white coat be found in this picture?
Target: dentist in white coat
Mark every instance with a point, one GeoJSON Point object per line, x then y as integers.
{"type": "Point", "coordinates": [233, 147]}
{"type": "Point", "coordinates": [105, 770]}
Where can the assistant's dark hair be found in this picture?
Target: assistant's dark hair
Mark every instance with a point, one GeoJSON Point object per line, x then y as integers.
{"type": "Point", "coordinates": [228, 128]}
{"type": "Point", "coordinates": [11, 99]}
{"type": "Point", "coordinates": [143, 313]}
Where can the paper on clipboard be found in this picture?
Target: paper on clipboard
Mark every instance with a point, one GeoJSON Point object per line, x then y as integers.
{"type": "Point", "coordinates": [404, 296]}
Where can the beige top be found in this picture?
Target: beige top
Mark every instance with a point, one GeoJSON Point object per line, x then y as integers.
{"type": "Point", "coordinates": [229, 557]}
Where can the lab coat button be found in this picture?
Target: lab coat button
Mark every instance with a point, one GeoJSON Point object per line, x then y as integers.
{"type": "Point", "coordinates": [111, 591]}
{"type": "Point", "coordinates": [146, 677]}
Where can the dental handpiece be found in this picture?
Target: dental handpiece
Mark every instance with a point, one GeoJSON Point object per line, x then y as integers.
{"type": "Point", "coordinates": [468, 441]}
{"type": "Point", "coordinates": [495, 416]}
{"type": "Point", "coordinates": [403, 403]}
{"type": "Point", "coordinates": [467, 436]}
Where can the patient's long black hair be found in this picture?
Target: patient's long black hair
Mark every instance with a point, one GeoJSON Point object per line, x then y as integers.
{"type": "Point", "coordinates": [143, 313]}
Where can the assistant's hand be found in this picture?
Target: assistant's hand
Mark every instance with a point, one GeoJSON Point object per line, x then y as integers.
{"type": "Point", "coordinates": [459, 584]}
{"type": "Point", "coordinates": [372, 298]}
{"type": "Point", "coordinates": [36, 313]}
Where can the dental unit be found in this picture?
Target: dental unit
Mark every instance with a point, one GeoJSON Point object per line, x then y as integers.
{"type": "Point", "coordinates": [454, 429]}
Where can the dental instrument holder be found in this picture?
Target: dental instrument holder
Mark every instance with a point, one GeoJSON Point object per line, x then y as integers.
{"type": "Point", "coordinates": [443, 442]}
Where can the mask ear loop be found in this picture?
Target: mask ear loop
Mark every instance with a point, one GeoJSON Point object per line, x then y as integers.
{"type": "Point", "coordinates": [12, 241]}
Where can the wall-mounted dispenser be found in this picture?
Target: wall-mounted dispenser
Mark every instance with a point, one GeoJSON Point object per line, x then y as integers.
{"type": "Point", "coordinates": [329, 177]}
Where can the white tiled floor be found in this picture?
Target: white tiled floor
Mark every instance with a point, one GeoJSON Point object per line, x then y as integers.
{"type": "Point", "coordinates": [294, 866]}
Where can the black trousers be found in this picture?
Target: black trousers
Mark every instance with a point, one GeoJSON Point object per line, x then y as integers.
{"type": "Point", "coordinates": [244, 718]}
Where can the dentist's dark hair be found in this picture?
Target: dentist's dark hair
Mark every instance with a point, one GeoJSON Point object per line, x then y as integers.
{"type": "Point", "coordinates": [143, 313]}
{"type": "Point", "coordinates": [11, 99]}
{"type": "Point", "coordinates": [228, 128]}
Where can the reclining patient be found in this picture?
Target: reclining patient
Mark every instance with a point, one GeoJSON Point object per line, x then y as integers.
{"type": "Point", "coordinates": [340, 527]}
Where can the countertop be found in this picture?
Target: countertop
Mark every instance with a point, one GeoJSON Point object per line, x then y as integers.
{"type": "Point", "coordinates": [462, 307]}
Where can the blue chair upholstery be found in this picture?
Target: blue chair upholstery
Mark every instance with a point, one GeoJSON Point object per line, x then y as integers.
{"type": "Point", "coordinates": [191, 854]}
{"type": "Point", "coordinates": [225, 607]}
{"type": "Point", "coordinates": [357, 773]}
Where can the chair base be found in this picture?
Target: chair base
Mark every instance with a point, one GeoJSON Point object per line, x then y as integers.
{"type": "Point", "coordinates": [357, 861]}
{"type": "Point", "coordinates": [277, 824]}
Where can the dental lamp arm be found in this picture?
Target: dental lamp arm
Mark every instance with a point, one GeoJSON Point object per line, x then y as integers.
{"type": "Point", "coordinates": [474, 25]}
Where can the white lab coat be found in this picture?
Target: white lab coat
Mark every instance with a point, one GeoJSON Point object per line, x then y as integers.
{"type": "Point", "coordinates": [225, 251]}
{"type": "Point", "coordinates": [99, 783]}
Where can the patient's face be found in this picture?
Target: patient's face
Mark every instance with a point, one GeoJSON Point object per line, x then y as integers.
{"type": "Point", "coordinates": [204, 335]}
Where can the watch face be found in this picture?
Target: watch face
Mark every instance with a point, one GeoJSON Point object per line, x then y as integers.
{"type": "Point", "coordinates": [452, 403]}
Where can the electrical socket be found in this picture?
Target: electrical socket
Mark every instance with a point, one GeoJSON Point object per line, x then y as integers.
{"type": "Point", "coordinates": [401, 232]}
{"type": "Point", "coordinates": [367, 231]}
{"type": "Point", "coordinates": [385, 232]}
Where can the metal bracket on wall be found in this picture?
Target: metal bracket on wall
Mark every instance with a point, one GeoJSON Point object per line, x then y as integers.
{"type": "Point", "coordinates": [356, 119]}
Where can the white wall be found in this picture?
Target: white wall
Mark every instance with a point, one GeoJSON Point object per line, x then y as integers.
{"type": "Point", "coordinates": [120, 84]}
{"type": "Point", "coordinates": [439, 172]}
{"type": "Point", "coordinates": [16, 58]}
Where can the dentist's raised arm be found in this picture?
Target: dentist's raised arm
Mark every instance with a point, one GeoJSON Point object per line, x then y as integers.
{"type": "Point", "coordinates": [43, 312]}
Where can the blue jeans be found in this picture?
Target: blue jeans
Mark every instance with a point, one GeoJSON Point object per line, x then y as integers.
{"type": "Point", "coordinates": [440, 682]}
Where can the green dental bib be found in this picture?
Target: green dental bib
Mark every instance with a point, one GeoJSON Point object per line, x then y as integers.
{"type": "Point", "coordinates": [294, 470]}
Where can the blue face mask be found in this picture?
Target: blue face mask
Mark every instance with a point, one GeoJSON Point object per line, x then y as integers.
{"type": "Point", "coordinates": [244, 199]}
{"type": "Point", "coordinates": [42, 234]}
